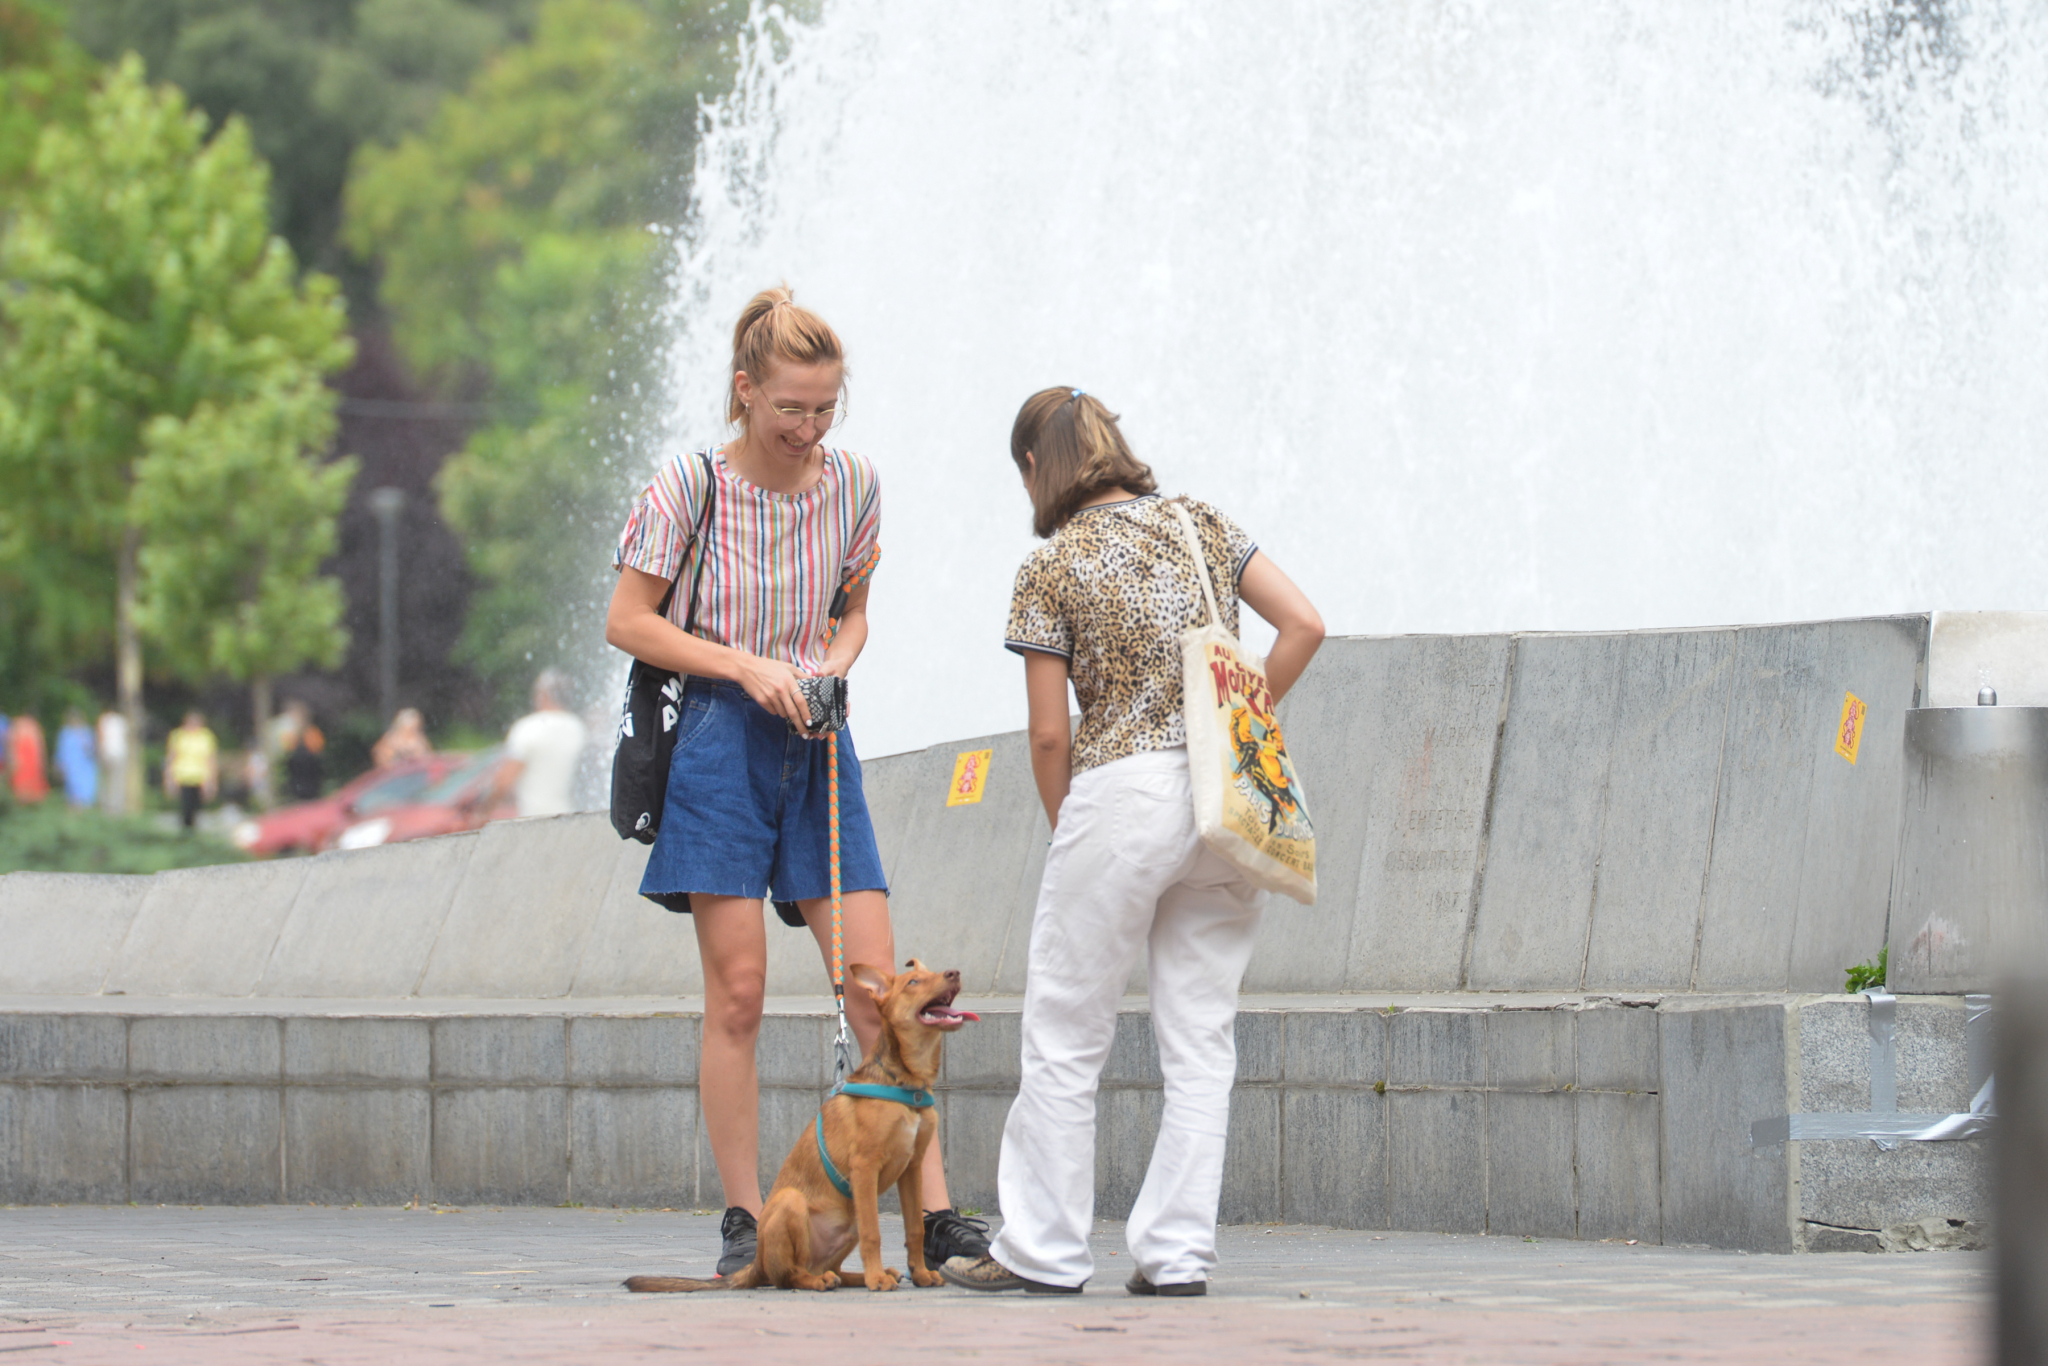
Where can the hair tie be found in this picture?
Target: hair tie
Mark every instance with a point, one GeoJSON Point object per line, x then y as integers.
{"type": "Point", "coordinates": [1078, 393]}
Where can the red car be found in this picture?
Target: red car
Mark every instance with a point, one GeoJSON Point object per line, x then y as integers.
{"type": "Point", "coordinates": [311, 826]}
{"type": "Point", "coordinates": [457, 802]}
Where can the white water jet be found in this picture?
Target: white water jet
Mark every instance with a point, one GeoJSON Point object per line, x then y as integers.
{"type": "Point", "coordinates": [1480, 316]}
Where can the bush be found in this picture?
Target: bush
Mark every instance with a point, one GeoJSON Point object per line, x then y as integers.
{"type": "Point", "coordinates": [52, 838]}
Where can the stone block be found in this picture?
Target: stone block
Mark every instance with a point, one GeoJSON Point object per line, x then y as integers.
{"type": "Point", "coordinates": [1853, 1183]}
{"type": "Point", "coordinates": [63, 1047]}
{"type": "Point", "coordinates": [1671, 716]}
{"type": "Point", "coordinates": [63, 931]}
{"type": "Point", "coordinates": [63, 1145]}
{"type": "Point", "coordinates": [206, 1145]}
{"type": "Point", "coordinates": [1334, 1157]}
{"type": "Point", "coordinates": [523, 1050]}
{"type": "Point", "coordinates": [501, 1146]}
{"type": "Point", "coordinates": [890, 784]}
{"type": "Point", "coordinates": [1822, 1238]}
{"type": "Point", "coordinates": [1251, 1159]}
{"type": "Point", "coordinates": [1723, 1069]}
{"type": "Point", "coordinates": [971, 1136]}
{"type": "Point", "coordinates": [207, 931]}
{"type": "Point", "coordinates": [366, 920]}
{"type": "Point", "coordinates": [1261, 1038]}
{"type": "Point", "coordinates": [986, 1054]}
{"type": "Point", "coordinates": [2019, 1175]}
{"type": "Point", "coordinates": [1334, 1047]}
{"type": "Point", "coordinates": [1408, 782]}
{"type": "Point", "coordinates": [1126, 1126]}
{"type": "Point", "coordinates": [1617, 1048]}
{"type": "Point", "coordinates": [329, 1051]}
{"type": "Point", "coordinates": [213, 1048]}
{"type": "Point", "coordinates": [796, 964]}
{"type": "Point", "coordinates": [1436, 1048]}
{"type": "Point", "coordinates": [956, 899]}
{"type": "Point", "coordinates": [1549, 798]}
{"type": "Point", "coordinates": [372, 1144]}
{"type": "Point", "coordinates": [637, 948]}
{"type": "Point", "coordinates": [633, 1147]}
{"type": "Point", "coordinates": [524, 909]}
{"type": "Point", "coordinates": [795, 1050]}
{"type": "Point", "coordinates": [1834, 1056]}
{"type": "Point", "coordinates": [1530, 1050]}
{"type": "Point", "coordinates": [1933, 1057]}
{"type": "Point", "coordinates": [1531, 1161]}
{"type": "Point", "coordinates": [1617, 1157]}
{"type": "Point", "coordinates": [652, 1050]}
{"type": "Point", "coordinates": [786, 1115]}
{"type": "Point", "coordinates": [1436, 1167]}
{"type": "Point", "coordinates": [1133, 1052]}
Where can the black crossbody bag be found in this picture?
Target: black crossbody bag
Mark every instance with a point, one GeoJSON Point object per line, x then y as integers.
{"type": "Point", "coordinates": [654, 706]}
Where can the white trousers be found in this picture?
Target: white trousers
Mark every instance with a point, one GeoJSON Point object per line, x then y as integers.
{"type": "Point", "coordinates": [1126, 871]}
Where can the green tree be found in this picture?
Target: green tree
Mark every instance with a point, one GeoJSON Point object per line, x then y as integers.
{"type": "Point", "coordinates": [161, 391]}
{"type": "Point", "coordinates": [43, 80]}
{"type": "Point", "coordinates": [516, 263]}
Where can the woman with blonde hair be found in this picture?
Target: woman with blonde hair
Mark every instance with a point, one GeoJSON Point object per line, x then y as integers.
{"type": "Point", "coordinates": [757, 536]}
{"type": "Point", "coordinates": [1101, 606]}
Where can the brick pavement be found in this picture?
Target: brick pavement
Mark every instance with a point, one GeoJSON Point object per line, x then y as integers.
{"type": "Point", "coordinates": [343, 1286]}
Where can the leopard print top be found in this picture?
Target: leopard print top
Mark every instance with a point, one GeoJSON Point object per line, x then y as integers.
{"type": "Point", "coordinates": [1111, 592]}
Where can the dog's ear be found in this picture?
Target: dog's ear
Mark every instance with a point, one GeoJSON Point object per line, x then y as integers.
{"type": "Point", "coordinates": [874, 979]}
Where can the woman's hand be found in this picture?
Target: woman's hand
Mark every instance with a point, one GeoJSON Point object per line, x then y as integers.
{"type": "Point", "coordinates": [772, 684]}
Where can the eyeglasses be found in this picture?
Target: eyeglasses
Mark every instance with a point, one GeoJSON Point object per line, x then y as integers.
{"type": "Point", "coordinates": [826, 418]}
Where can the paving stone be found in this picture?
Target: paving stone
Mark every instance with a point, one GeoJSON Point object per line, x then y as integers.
{"type": "Point", "coordinates": [366, 920]}
{"type": "Point", "coordinates": [205, 1048]}
{"type": "Point", "coordinates": [1854, 1183]}
{"type": "Point", "coordinates": [206, 1145]}
{"type": "Point", "coordinates": [1530, 1049]}
{"type": "Point", "coordinates": [1723, 1069]}
{"type": "Point", "coordinates": [1617, 1166]}
{"type": "Point", "coordinates": [1436, 1170]}
{"type": "Point", "coordinates": [519, 1049]}
{"type": "Point", "coordinates": [63, 1047]}
{"type": "Point", "coordinates": [63, 1144]}
{"type": "Point", "coordinates": [1834, 1056]}
{"type": "Point", "coordinates": [633, 1147]}
{"type": "Point", "coordinates": [1335, 1047]}
{"type": "Point", "coordinates": [207, 931]}
{"type": "Point", "coordinates": [1252, 1163]}
{"type": "Point", "coordinates": [524, 910]}
{"type": "Point", "coordinates": [501, 1145]}
{"type": "Point", "coordinates": [1617, 1048]}
{"type": "Point", "coordinates": [356, 1050]}
{"type": "Point", "coordinates": [1126, 1126]}
{"type": "Point", "coordinates": [1335, 1157]}
{"type": "Point", "coordinates": [1436, 1047]}
{"type": "Point", "coordinates": [63, 931]}
{"type": "Point", "coordinates": [657, 1050]}
{"type": "Point", "coordinates": [1531, 1164]}
{"type": "Point", "coordinates": [367, 1144]}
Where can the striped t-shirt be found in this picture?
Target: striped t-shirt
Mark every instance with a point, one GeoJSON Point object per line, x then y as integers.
{"type": "Point", "coordinates": [775, 561]}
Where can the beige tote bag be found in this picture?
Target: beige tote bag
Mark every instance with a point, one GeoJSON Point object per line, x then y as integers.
{"type": "Point", "coordinates": [1249, 805]}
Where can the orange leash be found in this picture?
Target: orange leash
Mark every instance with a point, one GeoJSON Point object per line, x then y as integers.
{"type": "Point", "coordinates": [843, 1051]}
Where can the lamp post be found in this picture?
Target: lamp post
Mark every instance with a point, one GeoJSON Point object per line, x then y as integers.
{"type": "Point", "coordinates": [387, 503]}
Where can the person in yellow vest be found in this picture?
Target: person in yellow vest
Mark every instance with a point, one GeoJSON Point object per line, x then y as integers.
{"type": "Point", "coordinates": [191, 767]}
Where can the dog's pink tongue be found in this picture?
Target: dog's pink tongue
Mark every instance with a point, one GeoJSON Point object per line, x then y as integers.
{"type": "Point", "coordinates": [968, 1015]}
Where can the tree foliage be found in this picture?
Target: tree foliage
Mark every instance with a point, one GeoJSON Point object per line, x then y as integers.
{"type": "Point", "coordinates": [43, 80]}
{"type": "Point", "coordinates": [162, 394]}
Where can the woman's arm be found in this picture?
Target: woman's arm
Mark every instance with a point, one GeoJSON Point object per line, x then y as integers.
{"type": "Point", "coordinates": [853, 632]}
{"type": "Point", "coordinates": [1052, 741]}
{"type": "Point", "coordinates": [632, 624]}
{"type": "Point", "coordinates": [1287, 609]}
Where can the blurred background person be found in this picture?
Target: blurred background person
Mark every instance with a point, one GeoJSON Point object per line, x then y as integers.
{"type": "Point", "coordinates": [191, 767]}
{"type": "Point", "coordinates": [27, 774]}
{"type": "Point", "coordinates": [113, 754]}
{"type": "Point", "coordinates": [5, 748]}
{"type": "Point", "coordinates": [305, 771]}
{"type": "Point", "coordinates": [405, 741]}
{"type": "Point", "coordinates": [78, 760]}
{"type": "Point", "coordinates": [541, 751]}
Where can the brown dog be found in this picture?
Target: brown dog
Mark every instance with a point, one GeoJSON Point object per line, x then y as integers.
{"type": "Point", "coordinates": [808, 1227]}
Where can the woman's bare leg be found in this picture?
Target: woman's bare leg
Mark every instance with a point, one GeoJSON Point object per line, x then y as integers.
{"type": "Point", "coordinates": [734, 945]}
{"type": "Point", "coordinates": [866, 936]}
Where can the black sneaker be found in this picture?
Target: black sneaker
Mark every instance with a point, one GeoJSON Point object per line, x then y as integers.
{"type": "Point", "coordinates": [948, 1235]}
{"type": "Point", "coordinates": [741, 1241]}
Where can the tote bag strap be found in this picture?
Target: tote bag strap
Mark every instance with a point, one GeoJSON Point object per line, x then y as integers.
{"type": "Point", "coordinates": [700, 544]}
{"type": "Point", "coordinates": [1187, 526]}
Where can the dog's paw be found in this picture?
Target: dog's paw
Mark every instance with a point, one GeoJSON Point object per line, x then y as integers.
{"type": "Point", "coordinates": [925, 1278]}
{"type": "Point", "coordinates": [883, 1278]}
{"type": "Point", "coordinates": [831, 1281]}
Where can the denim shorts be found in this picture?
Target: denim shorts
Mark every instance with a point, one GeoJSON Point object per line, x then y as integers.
{"type": "Point", "coordinates": [748, 810]}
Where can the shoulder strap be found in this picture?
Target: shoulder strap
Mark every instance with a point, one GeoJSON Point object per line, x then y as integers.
{"type": "Point", "coordinates": [1187, 526]}
{"type": "Point", "coordinates": [702, 545]}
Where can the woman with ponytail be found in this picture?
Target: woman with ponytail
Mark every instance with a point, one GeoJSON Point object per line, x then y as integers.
{"type": "Point", "coordinates": [1101, 606]}
{"type": "Point", "coordinates": [757, 536]}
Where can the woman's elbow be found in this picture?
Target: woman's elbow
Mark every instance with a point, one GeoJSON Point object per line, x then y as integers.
{"type": "Point", "coordinates": [1307, 627]}
{"type": "Point", "coordinates": [1049, 741]}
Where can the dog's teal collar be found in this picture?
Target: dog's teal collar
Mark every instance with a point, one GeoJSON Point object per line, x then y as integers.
{"type": "Point", "coordinates": [902, 1095]}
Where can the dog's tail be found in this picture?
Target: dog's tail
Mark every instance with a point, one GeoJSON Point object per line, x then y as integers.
{"type": "Point", "coordinates": [655, 1285]}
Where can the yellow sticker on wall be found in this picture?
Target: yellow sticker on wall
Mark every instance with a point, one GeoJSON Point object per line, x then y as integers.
{"type": "Point", "coordinates": [1849, 734]}
{"type": "Point", "coordinates": [970, 775]}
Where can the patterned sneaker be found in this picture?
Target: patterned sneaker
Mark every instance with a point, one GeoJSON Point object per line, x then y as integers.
{"type": "Point", "coordinates": [1138, 1285]}
{"type": "Point", "coordinates": [990, 1274]}
{"type": "Point", "coordinates": [741, 1241]}
{"type": "Point", "coordinates": [948, 1235]}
